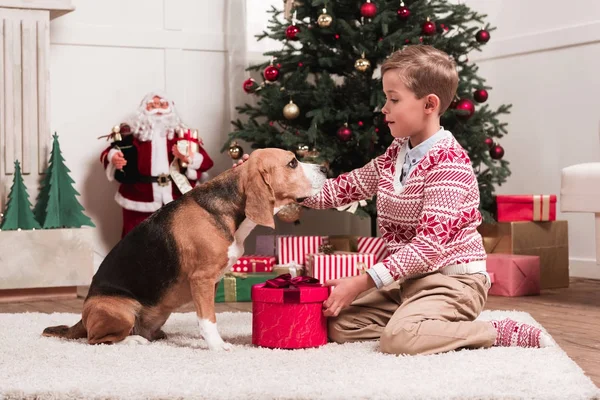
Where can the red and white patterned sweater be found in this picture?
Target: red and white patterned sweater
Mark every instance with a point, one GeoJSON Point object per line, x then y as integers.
{"type": "Point", "coordinates": [428, 224]}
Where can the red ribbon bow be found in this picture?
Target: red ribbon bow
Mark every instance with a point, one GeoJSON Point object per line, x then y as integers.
{"type": "Point", "coordinates": [286, 281]}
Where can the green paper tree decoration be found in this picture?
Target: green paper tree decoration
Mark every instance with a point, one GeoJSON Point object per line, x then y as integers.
{"type": "Point", "coordinates": [57, 205]}
{"type": "Point", "coordinates": [18, 214]}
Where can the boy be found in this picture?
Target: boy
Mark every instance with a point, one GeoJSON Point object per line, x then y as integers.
{"type": "Point", "coordinates": [423, 298]}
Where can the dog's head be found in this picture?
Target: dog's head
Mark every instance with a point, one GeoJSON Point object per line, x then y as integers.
{"type": "Point", "coordinates": [275, 178]}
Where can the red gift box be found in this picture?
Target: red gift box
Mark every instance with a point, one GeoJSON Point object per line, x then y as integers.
{"type": "Point", "coordinates": [513, 275]}
{"type": "Point", "coordinates": [374, 245]}
{"type": "Point", "coordinates": [254, 263]}
{"type": "Point", "coordinates": [293, 249]}
{"type": "Point", "coordinates": [513, 208]}
{"type": "Point", "coordinates": [340, 264]}
{"type": "Point", "coordinates": [289, 317]}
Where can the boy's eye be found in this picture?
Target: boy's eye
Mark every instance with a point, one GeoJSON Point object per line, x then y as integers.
{"type": "Point", "coordinates": [293, 163]}
{"type": "Point", "coordinates": [394, 100]}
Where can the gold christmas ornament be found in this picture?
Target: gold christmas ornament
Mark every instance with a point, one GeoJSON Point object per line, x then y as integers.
{"type": "Point", "coordinates": [362, 64]}
{"type": "Point", "coordinates": [324, 19]}
{"type": "Point", "coordinates": [302, 150]}
{"type": "Point", "coordinates": [290, 213]}
{"type": "Point", "coordinates": [291, 110]}
{"type": "Point", "coordinates": [235, 151]}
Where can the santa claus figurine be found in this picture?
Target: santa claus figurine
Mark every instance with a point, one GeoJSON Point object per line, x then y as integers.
{"type": "Point", "coordinates": [155, 158]}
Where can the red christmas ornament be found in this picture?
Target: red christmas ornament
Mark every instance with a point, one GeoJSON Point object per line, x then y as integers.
{"type": "Point", "coordinates": [249, 85]}
{"type": "Point", "coordinates": [344, 133]}
{"type": "Point", "coordinates": [337, 36]}
{"type": "Point", "coordinates": [368, 9]}
{"type": "Point", "coordinates": [428, 28]}
{"type": "Point", "coordinates": [489, 142]}
{"type": "Point", "coordinates": [480, 95]}
{"type": "Point", "coordinates": [360, 123]}
{"type": "Point", "coordinates": [403, 13]}
{"type": "Point", "coordinates": [271, 123]}
{"type": "Point", "coordinates": [407, 41]}
{"type": "Point", "coordinates": [482, 36]}
{"type": "Point", "coordinates": [291, 32]}
{"type": "Point", "coordinates": [497, 152]}
{"type": "Point", "coordinates": [376, 129]}
{"type": "Point", "coordinates": [271, 73]}
{"type": "Point", "coordinates": [300, 64]}
{"type": "Point", "coordinates": [466, 105]}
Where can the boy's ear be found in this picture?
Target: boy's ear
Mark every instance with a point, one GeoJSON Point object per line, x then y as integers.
{"type": "Point", "coordinates": [432, 103]}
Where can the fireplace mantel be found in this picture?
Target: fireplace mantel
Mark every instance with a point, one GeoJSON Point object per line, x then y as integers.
{"type": "Point", "coordinates": [56, 7]}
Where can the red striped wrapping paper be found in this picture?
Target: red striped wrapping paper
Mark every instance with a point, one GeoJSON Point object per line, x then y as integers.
{"type": "Point", "coordinates": [293, 249]}
{"type": "Point", "coordinates": [373, 245]}
{"type": "Point", "coordinates": [337, 265]}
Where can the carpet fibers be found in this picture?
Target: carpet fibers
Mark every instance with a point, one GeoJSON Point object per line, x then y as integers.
{"type": "Point", "coordinates": [32, 366]}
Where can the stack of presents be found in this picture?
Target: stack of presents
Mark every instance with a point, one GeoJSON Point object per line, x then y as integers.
{"type": "Point", "coordinates": [528, 248]}
{"type": "Point", "coordinates": [527, 251]}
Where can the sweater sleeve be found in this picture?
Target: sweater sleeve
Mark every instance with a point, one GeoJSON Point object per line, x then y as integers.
{"type": "Point", "coordinates": [359, 184]}
{"type": "Point", "coordinates": [447, 209]}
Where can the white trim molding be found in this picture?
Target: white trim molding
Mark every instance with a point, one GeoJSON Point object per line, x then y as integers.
{"type": "Point", "coordinates": [551, 39]}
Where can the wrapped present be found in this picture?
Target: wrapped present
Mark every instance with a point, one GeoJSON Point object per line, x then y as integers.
{"type": "Point", "coordinates": [338, 265]}
{"type": "Point", "coordinates": [287, 313]}
{"type": "Point", "coordinates": [266, 244]}
{"type": "Point", "coordinates": [254, 263]}
{"type": "Point", "coordinates": [295, 248]}
{"type": "Point", "coordinates": [547, 240]}
{"type": "Point", "coordinates": [346, 243]}
{"type": "Point", "coordinates": [514, 275]}
{"type": "Point", "coordinates": [374, 245]}
{"type": "Point", "coordinates": [294, 269]}
{"type": "Point", "coordinates": [514, 208]}
{"type": "Point", "coordinates": [237, 287]}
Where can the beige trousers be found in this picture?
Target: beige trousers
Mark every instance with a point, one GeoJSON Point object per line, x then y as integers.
{"type": "Point", "coordinates": [430, 314]}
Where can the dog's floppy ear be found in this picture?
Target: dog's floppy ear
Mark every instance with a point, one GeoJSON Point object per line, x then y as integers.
{"type": "Point", "coordinates": [260, 198]}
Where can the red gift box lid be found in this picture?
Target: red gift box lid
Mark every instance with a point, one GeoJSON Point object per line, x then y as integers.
{"type": "Point", "coordinates": [520, 198]}
{"type": "Point", "coordinates": [302, 294]}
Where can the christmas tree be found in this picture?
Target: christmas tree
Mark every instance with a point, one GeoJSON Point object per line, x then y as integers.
{"type": "Point", "coordinates": [321, 94]}
{"type": "Point", "coordinates": [57, 206]}
{"type": "Point", "coordinates": [18, 214]}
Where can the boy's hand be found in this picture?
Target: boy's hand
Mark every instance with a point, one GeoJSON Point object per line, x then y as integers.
{"type": "Point", "coordinates": [240, 162]}
{"type": "Point", "coordinates": [344, 292]}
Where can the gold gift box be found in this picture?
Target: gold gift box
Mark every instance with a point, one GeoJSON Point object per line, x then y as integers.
{"type": "Point", "coordinates": [548, 240]}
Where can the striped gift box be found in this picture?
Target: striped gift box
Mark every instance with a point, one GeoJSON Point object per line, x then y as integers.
{"type": "Point", "coordinates": [293, 249]}
{"type": "Point", "coordinates": [338, 265]}
{"type": "Point", "coordinates": [373, 245]}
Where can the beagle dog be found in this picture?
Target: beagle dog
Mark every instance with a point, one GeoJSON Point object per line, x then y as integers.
{"type": "Point", "coordinates": [180, 252]}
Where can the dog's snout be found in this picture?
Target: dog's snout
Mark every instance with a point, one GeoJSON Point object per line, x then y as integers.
{"type": "Point", "coordinates": [323, 169]}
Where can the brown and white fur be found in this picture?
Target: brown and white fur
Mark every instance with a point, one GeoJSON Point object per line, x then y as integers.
{"type": "Point", "coordinates": [180, 253]}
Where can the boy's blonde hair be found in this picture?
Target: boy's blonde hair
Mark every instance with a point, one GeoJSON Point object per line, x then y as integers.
{"type": "Point", "coordinates": [425, 70]}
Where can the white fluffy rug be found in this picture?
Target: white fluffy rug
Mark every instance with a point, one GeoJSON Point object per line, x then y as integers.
{"type": "Point", "coordinates": [32, 366]}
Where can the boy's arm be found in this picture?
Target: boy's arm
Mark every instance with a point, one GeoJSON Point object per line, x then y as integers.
{"type": "Point", "coordinates": [449, 206]}
{"type": "Point", "coordinates": [359, 184]}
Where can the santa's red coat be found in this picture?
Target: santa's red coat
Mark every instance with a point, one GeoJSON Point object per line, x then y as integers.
{"type": "Point", "coordinates": [149, 197]}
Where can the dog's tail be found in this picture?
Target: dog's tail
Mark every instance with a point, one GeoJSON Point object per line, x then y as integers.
{"type": "Point", "coordinates": [77, 331]}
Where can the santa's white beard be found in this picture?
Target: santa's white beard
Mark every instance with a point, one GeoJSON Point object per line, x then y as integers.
{"type": "Point", "coordinates": [146, 127]}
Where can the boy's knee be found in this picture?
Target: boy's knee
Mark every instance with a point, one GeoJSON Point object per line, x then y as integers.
{"type": "Point", "coordinates": [400, 339]}
{"type": "Point", "coordinates": [337, 331]}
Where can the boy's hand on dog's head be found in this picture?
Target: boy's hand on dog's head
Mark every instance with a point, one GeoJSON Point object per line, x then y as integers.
{"type": "Point", "coordinates": [240, 162]}
{"type": "Point", "coordinates": [344, 292]}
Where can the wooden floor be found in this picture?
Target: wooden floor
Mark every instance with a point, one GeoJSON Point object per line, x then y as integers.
{"type": "Point", "coordinates": [571, 316]}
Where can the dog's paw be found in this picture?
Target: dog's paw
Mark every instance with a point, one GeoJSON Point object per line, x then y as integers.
{"type": "Point", "coordinates": [220, 346]}
{"type": "Point", "coordinates": [134, 339]}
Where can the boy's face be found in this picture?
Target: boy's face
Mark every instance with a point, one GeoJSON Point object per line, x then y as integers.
{"type": "Point", "coordinates": [406, 115]}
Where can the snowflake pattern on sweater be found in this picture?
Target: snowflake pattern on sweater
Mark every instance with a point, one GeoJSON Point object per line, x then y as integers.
{"type": "Point", "coordinates": [431, 222]}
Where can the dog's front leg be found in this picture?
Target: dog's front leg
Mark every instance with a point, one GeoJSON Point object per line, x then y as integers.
{"type": "Point", "coordinates": [203, 293]}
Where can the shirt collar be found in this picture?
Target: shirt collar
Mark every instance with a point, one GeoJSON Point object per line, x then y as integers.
{"type": "Point", "coordinates": [418, 152]}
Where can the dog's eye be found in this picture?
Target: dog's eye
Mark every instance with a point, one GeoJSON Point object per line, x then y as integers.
{"type": "Point", "coordinates": [293, 163]}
